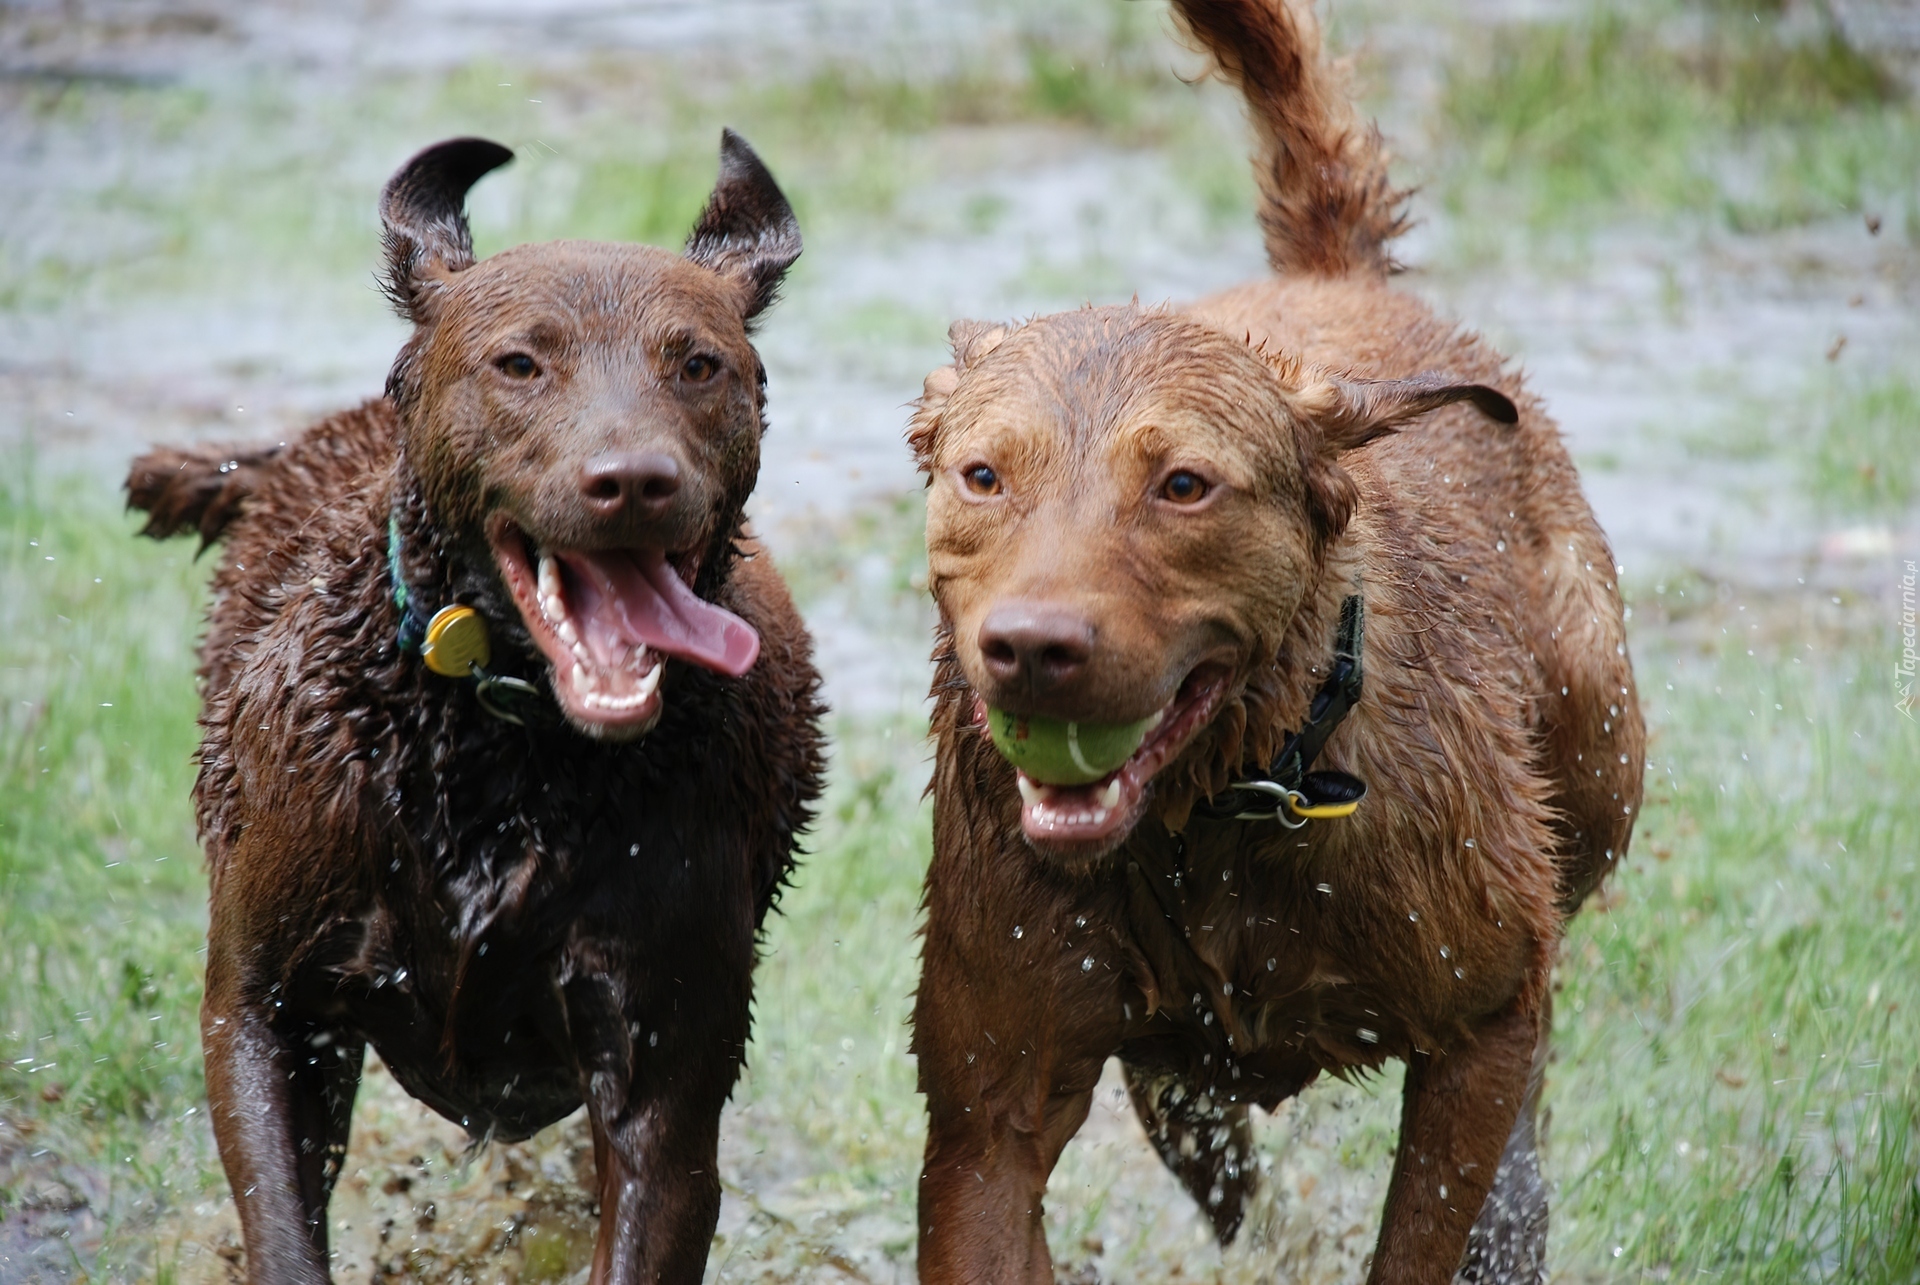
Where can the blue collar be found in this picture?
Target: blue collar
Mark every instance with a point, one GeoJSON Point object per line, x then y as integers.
{"type": "Point", "coordinates": [511, 700]}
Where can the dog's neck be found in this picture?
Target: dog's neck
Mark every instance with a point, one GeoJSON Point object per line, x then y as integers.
{"type": "Point", "coordinates": [439, 567]}
{"type": "Point", "coordinates": [1251, 728]}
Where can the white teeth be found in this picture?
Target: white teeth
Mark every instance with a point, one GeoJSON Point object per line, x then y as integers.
{"type": "Point", "coordinates": [1040, 798]}
{"type": "Point", "coordinates": [586, 677]}
{"type": "Point", "coordinates": [596, 700]}
{"type": "Point", "coordinates": [549, 577]}
{"type": "Point", "coordinates": [637, 658]}
{"type": "Point", "coordinates": [568, 634]}
{"type": "Point", "coordinates": [1159, 717]}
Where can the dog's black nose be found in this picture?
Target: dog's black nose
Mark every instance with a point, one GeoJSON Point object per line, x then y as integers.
{"type": "Point", "coordinates": [638, 483]}
{"type": "Point", "coordinates": [1035, 647]}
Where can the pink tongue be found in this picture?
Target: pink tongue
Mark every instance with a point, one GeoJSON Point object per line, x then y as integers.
{"type": "Point", "coordinates": [621, 598]}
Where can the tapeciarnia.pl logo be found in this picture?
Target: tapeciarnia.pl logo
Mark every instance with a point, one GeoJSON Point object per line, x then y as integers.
{"type": "Point", "coordinates": [1903, 670]}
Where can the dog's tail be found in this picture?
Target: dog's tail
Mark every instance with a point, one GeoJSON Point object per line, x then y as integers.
{"type": "Point", "coordinates": [1326, 206]}
{"type": "Point", "coordinates": [198, 488]}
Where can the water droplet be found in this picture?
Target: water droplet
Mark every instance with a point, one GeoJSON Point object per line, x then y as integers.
{"type": "Point", "coordinates": [1272, 962]}
{"type": "Point", "coordinates": [1445, 953]}
{"type": "Point", "coordinates": [1413, 916]}
{"type": "Point", "coordinates": [1017, 932]}
{"type": "Point", "coordinates": [1086, 965]}
{"type": "Point", "coordinates": [1367, 1036]}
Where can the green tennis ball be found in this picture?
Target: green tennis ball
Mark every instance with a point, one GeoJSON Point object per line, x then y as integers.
{"type": "Point", "coordinates": [1055, 752]}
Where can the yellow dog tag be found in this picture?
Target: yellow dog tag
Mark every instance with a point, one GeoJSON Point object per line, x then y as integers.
{"type": "Point", "coordinates": [456, 642]}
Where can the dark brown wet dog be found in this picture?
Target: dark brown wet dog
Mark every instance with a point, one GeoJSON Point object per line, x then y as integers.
{"type": "Point", "coordinates": [1137, 513]}
{"type": "Point", "coordinates": [538, 883]}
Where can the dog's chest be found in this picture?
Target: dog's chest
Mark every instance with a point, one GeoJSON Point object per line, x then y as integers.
{"type": "Point", "coordinates": [1274, 950]}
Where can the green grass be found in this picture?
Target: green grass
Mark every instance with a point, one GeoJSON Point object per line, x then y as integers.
{"type": "Point", "coordinates": [1863, 449]}
{"type": "Point", "coordinates": [1632, 111]}
{"type": "Point", "coordinates": [830, 1088]}
{"type": "Point", "coordinates": [1736, 1092]}
{"type": "Point", "coordinates": [1851, 442]}
{"type": "Point", "coordinates": [101, 892]}
{"type": "Point", "coordinates": [237, 173]}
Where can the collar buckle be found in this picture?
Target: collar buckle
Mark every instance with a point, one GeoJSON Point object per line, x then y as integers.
{"type": "Point", "coordinates": [1290, 792]}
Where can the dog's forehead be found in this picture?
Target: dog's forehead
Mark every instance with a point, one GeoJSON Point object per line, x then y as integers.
{"type": "Point", "coordinates": [596, 283]}
{"type": "Point", "coordinates": [1123, 374]}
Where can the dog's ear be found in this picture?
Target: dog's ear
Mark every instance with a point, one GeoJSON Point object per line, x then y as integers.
{"type": "Point", "coordinates": [1352, 412]}
{"type": "Point", "coordinates": [747, 232]}
{"type": "Point", "coordinates": [971, 342]}
{"type": "Point", "coordinates": [424, 220]}
{"type": "Point", "coordinates": [1344, 414]}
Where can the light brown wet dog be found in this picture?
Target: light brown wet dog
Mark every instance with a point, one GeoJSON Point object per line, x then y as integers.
{"type": "Point", "coordinates": [1136, 512]}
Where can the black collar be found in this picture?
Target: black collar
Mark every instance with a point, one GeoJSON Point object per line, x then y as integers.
{"type": "Point", "coordinates": [1290, 792]}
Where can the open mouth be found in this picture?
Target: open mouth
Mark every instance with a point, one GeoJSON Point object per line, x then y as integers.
{"type": "Point", "coordinates": [608, 619]}
{"type": "Point", "coordinates": [1101, 813]}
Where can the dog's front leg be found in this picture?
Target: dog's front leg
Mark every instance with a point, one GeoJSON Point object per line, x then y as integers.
{"type": "Point", "coordinates": [1458, 1109]}
{"type": "Point", "coordinates": [267, 1111]}
{"type": "Point", "coordinates": [654, 1095]}
{"type": "Point", "coordinates": [981, 1189]}
{"type": "Point", "coordinates": [1006, 1088]}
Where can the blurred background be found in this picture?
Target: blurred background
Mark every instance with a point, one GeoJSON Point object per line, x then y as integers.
{"type": "Point", "coordinates": [1695, 224]}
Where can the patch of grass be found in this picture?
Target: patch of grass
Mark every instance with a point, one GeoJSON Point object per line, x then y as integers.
{"type": "Point", "coordinates": [101, 890]}
{"type": "Point", "coordinates": [100, 882]}
{"type": "Point", "coordinates": [230, 176]}
{"type": "Point", "coordinates": [1864, 447]}
{"type": "Point", "coordinates": [829, 1098]}
{"type": "Point", "coordinates": [1621, 113]}
{"type": "Point", "coordinates": [1852, 442]}
{"type": "Point", "coordinates": [1735, 1092]}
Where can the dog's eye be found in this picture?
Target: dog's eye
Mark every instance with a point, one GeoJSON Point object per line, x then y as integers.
{"type": "Point", "coordinates": [1183, 488]}
{"type": "Point", "coordinates": [982, 480]}
{"type": "Point", "coordinates": [517, 365]}
{"type": "Point", "coordinates": [699, 368]}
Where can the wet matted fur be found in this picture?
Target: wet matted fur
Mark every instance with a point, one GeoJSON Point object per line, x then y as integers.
{"type": "Point", "coordinates": [518, 917]}
{"type": "Point", "coordinates": [1138, 512]}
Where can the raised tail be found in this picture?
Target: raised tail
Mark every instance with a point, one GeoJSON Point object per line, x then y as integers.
{"type": "Point", "coordinates": [195, 488]}
{"type": "Point", "coordinates": [1326, 206]}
